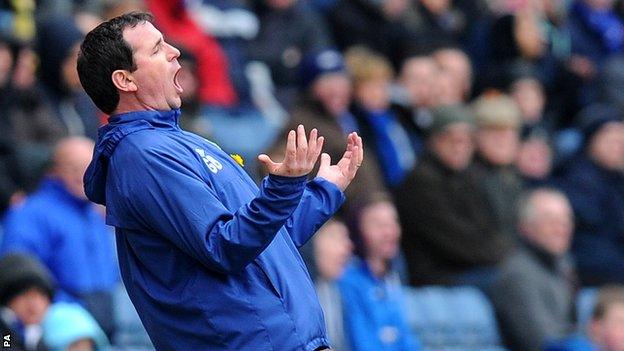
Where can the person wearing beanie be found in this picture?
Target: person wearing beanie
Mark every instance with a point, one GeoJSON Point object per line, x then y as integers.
{"type": "Point", "coordinates": [26, 291]}
{"type": "Point", "coordinates": [594, 182]}
{"type": "Point", "coordinates": [498, 123]}
{"type": "Point", "coordinates": [450, 234]}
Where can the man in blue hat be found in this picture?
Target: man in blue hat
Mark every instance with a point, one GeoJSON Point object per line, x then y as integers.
{"type": "Point", "coordinates": [210, 260]}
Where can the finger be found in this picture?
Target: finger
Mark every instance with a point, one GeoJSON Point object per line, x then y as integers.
{"type": "Point", "coordinates": [325, 160]}
{"type": "Point", "coordinates": [353, 165]}
{"type": "Point", "coordinates": [312, 141]}
{"type": "Point", "coordinates": [302, 145]}
{"type": "Point", "coordinates": [267, 162]}
{"type": "Point", "coordinates": [291, 149]}
{"type": "Point", "coordinates": [361, 149]}
{"type": "Point", "coordinates": [319, 148]}
{"type": "Point", "coordinates": [343, 164]}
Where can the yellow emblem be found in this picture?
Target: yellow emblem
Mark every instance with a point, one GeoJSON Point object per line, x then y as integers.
{"type": "Point", "coordinates": [239, 159]}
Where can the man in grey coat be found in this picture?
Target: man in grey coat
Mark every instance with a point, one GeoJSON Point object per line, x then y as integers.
{"type": "Point", "coordinates": [534, 293]}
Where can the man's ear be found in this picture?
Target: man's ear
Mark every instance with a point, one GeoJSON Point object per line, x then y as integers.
{"type": "Point", "coordinates": [124, 81]}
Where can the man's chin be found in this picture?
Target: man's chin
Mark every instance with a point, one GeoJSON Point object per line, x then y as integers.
{"type": "Point", "coordinates": [176, 103]}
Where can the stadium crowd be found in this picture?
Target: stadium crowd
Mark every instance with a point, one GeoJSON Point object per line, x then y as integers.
{"type": "Point", "coordinates": [488, 213]}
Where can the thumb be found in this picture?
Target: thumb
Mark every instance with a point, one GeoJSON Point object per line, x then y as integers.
{"type": "Point", "coordinates": [325, 160]}
{"type": "Point", "coordinates": [266, 161]}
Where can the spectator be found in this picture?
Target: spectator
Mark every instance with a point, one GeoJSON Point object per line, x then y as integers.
{"type": "Point", "coordinates": [451, 235]}
{"type": "Point", "coordinates": [370, 286]}
{"type": "Point", "coordinates": [376, 25]}
{"type": "Point", "coordinates": [498, 141]}
{"type": "Point", "coordinates": [58, 42]}
{"type": "Point", "coordinates": [418, 75]}
{"type": "Point", "coordinates": [29, 125]}
{"type": "Point", "coordinates": [437, 23]}
{"type": "Point", "coordinates": [289, 30]}
{"type": "Point", "coordinates": [332, 250]}
{"type": "Point", "coordinates": [379, 125]}
{"type": "Point", "coordinates": [26, 290]}
{"type": "Point", "coordinates": [534, 161]}
{"type": "Point", "coordinates": [529, 35]}
{"type": "Point", "coordinates": [325, 106]}
{"type": "Point", "coordinates": [597, 33]}
{"type": "Point", "coordinates": [534, 294]}
{"type": "Point", "coordinates": [458, 65]}
{"type": "Point", "coordinates": [606, 328]}
{"type": "Point", "coordinates": [595, 185]}
{"type": "Point", "coordinates": [66, 232]}
{"type": "Point", "coordinates": [596, 29]}
{"type": "Point", "coordinates": [69, 327]}
{"type": "Point", "coordinates": [528, 94]}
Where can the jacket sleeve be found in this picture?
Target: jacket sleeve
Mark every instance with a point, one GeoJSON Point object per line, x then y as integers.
{"type": "Point", "coordinates": [172, 200]}
{"type": "Point", "coordinates": [320, 200]}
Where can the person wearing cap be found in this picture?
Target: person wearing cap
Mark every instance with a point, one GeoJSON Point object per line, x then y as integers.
{"type": "Point", "coordinates": [595, 185]}
{"type": "Point", "coordinates": [450, 234]}
{"type": "Point", "coordinates": [498, 141]}
{"type": "Point", "coordinates": [26, 291]}
{"type": "Point", "coordinates": [325, 105]}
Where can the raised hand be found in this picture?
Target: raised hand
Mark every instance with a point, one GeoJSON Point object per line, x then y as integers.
{"type": "Point", "coordinates": [300, 157]}
{"type": "Point", "coordinates": [344, 171]}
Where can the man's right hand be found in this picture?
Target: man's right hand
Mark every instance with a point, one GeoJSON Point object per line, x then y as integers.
{"type": "Point", "coordinates": [300, 156]}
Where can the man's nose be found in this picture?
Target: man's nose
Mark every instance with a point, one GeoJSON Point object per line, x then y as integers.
{"type": "Point", "coordinates": [173, 52]}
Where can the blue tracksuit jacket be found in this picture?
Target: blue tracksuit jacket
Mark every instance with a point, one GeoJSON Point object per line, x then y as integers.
{"type": "Point", "coordinates": [209, 260]}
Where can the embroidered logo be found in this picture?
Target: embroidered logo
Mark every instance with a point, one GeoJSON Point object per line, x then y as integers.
{"type": "Point", "coordinates": [239, 159]}
{"type": "Point", "coordinates": [213, 165]}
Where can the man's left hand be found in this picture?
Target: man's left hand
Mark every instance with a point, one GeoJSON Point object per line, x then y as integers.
{"type": "Point", "coordinates": [342, 173]}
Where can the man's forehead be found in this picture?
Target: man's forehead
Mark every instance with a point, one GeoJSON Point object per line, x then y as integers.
{"type": "Point", "coordinates": [143, 35]}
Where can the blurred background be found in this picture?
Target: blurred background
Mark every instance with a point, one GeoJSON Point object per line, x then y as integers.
{"type": "Point", "coordinates": [489, 210]}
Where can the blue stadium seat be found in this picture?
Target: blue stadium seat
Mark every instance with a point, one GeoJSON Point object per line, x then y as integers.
{"type": "Point", "coordinates": [452, 319]}
{"type": "Point", "coordinates": [130, 335]}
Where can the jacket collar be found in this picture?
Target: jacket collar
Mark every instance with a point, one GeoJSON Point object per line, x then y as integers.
{"type": "Point", "coordinates": [156, 118]}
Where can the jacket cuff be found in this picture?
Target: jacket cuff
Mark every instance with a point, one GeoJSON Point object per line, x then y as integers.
{"type": "Point", "coordinates": [335, 195]}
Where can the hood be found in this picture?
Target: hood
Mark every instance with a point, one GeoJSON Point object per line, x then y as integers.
{"type": "Point", "coordinates": [55, 39]}
{"type": "Point", "coordinates": [109, 136]}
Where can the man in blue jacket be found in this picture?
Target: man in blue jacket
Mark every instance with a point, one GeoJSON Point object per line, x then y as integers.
{"type": "Point", "coordinates": [210, 260]}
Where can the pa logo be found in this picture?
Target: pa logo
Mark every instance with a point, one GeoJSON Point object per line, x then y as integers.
{"type": "Point", "coordinates": [6, 341]}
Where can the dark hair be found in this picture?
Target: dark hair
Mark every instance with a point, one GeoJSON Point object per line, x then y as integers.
{"type": "Point", "coordinates": [607, 297]}
{"type": "Point", "coordinates": [103, 51]}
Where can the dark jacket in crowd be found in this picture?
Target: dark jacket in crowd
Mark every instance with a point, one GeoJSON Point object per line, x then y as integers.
{"type": "Point", "coordinates": [534, 298]}
{"type": "Point", "coordinates": [503, 187]}
{"type": "Point", "coordinates": [285, 37]}
{"type": "Point", "coordinates": [597, 197]}
{"type": "Point", "coordinates": [448, 225]}
{"type": "Point", "coordinates": [362, 22]}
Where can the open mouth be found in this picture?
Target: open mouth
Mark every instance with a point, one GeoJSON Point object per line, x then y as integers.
{"type": "Point", "coordinates": [176, 84]}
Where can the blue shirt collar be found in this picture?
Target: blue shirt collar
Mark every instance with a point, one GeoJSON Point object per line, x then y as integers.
{"type": "Point", "coordinates": [156, 118]}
